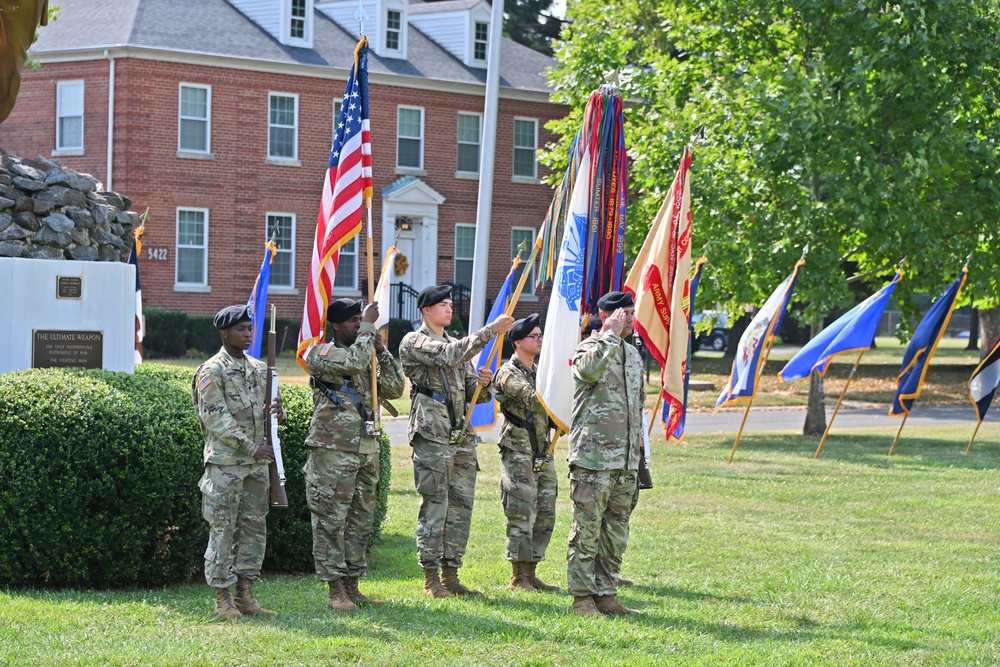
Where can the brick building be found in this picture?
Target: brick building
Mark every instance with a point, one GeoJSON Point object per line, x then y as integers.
{"type": "Point", "coordinates": [221, 119]}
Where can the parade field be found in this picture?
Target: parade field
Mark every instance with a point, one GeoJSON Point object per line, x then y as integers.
{"type": "Point", "coordinates": [777, 559]}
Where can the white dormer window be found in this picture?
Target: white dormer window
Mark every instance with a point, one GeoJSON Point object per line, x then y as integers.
{"type": "Point", "coordinates": [480, 44]}
{"type": "Point", "coordinates": [393, 26]}
{"type": "Point", "coordinates": [297, 20]}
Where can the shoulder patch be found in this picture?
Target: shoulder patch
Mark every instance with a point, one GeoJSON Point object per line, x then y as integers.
{"type": "Point", "coordinates": [323, 351]}
{"type": "Point", "coordinates": [419, 341]}
{"type": "Point", "coordinates": [205, 381]}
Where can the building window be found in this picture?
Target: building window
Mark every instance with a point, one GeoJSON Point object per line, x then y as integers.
{"type": "Point", "coordinates": [69, 115]}
{"type": "Point", "coordinates": [347, 266]}
{"type": "Point", "coordinates": [525, 147]}
{"type": "Point", "coordinates": [465, 249]}
{"type": "Point", "coordinates": [338, 105]}
{"type": "Point", "coordinates": [297, 27]}
{"type": "Point", "coordinates": [410, 138]}
{"type": "Point", "coordinates": [481, 41]}
{"type": "Point", "coordinates": [282, 226]}
{"type": "Point", "coordinates": [192, 246]}
{"type": "Point", "coordinates": [524, 235]}
{"type": "Point", "coordinates": [282, 127]}
{"type": "Point", "coordinates": [195, 117]}
{"type": "Point", "coordinates": [393, 25]}
{"type": "Point", "coordinates": [468, 142]}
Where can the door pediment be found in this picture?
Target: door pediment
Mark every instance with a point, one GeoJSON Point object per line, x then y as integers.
{"type": "Point", "coordinates": [411, 190]}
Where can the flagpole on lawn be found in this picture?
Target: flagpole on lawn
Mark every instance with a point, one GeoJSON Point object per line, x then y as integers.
{"type": "Point", "coordinates": [510, 309]}
{"type": "Point", "coordinates": [656, 409]}
{"type": "Point", "coordinates": [839, 401]}
{"type": "Point", "coordinates": [969, 448]}
{"type": "Point", "coordinates": [760, 371]}
{"type": "Point", "coordinates": [893, 448]}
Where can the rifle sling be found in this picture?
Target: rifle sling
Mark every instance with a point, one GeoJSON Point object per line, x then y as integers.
{"type": "Point", "coordinates": [328, 388]}
{"type": "Point", "coordinates": [526, 424]}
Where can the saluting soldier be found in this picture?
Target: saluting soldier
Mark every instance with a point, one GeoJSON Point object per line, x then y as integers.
{"type": "Point", "coordinates": [342, 460]}
{"type": "Point", "coordinates": [229, 394]}
{"type": "Point", "coordinates": [605, 444]}
{"type": "Point", "coordinates": [442, 382]}
{"type": "Point", "coordinates": [528, 483]}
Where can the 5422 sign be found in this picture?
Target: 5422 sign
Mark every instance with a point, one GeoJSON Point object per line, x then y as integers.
{"type": "Point", "coordinates": [156, 254]}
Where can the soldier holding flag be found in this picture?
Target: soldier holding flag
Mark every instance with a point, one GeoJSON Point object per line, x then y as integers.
{"type": "Point", "coordinates": [442, 380]}
{"type": "Point", "coordinates": [528, 482]}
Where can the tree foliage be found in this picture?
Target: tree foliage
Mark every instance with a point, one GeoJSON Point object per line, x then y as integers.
{"type": "Point", "coordinates": [867, 130]}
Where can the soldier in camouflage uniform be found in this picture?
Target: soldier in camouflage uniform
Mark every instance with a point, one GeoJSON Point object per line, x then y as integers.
{"type": "Point", "coordinates": [528, 482]}
{"type": "Point", "coordinates": [229, 394]}
{"type": "Point", "coordinates": [442, 382]}
{"type": "Point", "coordinates": [342, 460]}
{"type": "Point", "coordinates": [605, 444]}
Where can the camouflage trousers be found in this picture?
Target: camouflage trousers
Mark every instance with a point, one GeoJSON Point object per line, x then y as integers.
{"type": "Point", "coordinates": [602, 504]}
{"type": "Point", "coordinates": [234, 502]}
{"type": "Point", "coordinates": [445, 478]}
{"type": "Point", "coordinates": [341, 495]}
{"type": "Point", "coordinates": [529, 503]}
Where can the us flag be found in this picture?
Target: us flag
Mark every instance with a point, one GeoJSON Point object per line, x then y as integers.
{"type": "Point", "coordinates": [347, 191]}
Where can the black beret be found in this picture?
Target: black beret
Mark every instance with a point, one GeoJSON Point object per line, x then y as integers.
{"type": "Point", "coordinates": [593, 324]}
{"type": "Point", "coordinates": [614, 300]}
{"type": "Point", "coordinates": [232, 315]}
{"type": "Point", "coordinates": [522, 328]}
{"type": "Point", "coordinates": [430, 296]}
{"type": "Point", "coordinates": [342, 310]}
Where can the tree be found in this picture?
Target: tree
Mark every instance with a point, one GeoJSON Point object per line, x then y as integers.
{"type": "Point", "coordinates": [866, 130]}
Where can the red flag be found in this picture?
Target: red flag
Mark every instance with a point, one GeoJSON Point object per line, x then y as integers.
{"type": "Point", "coordinates": [347, 189]}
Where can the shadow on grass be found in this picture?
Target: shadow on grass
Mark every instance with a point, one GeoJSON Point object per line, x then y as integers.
{"type": "Point", "coordinates": [912, 451]}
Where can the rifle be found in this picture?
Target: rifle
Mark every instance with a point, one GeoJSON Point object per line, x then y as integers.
{"type": "Point", "coordinates": [277, 468]}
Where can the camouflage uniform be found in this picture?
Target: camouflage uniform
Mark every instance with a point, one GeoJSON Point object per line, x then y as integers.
{"type": "Point", "coordinates": [444, 473]}
{"type": "Point", "coordinates": [604, 448]}
{"type": "Point", "coordinates": [341, 470]}
{"type": "Point", "coordinates": [528, 497]}
{"type": "Point", "coordinates": [229, 395]}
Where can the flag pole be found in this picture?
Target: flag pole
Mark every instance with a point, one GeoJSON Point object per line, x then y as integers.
{"type": "Point", "coordinates": [656, 408]}
{"type": "Point", "coordinates": [839, 401]}
{"type": "Point", "coordinates": [746, 413]}
{"type": "Point", "coordinates": [969, 448]}
{"type": "Point", "coordinates": [893, 448]}
{"type": "Point", "coordinates": [510, 309]}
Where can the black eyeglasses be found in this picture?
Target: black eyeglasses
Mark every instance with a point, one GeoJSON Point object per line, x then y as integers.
{"type": "Point", "coordinates": [535, 337]}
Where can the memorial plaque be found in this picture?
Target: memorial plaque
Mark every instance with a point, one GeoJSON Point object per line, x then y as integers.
{"type": "Point", "coordinates": [67, 349]}
{"type": "Point", "coordinates": [69, 287]}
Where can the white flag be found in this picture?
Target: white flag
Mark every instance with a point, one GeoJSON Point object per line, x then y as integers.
{"type": "Point", "coordinates": [384, 288]}
{"type": "Point", "coordinates": [562, 320]}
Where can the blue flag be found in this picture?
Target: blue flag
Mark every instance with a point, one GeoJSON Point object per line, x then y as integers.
{"type": "Point", "coordinates": [678, 433]}
{"type": "Point", "coordinates": [257, 303]}
{"type": "Point", "coordinates": [484, 415]}
{"type": "Point", "coordinates": [918, 353]}
{"type": "Point", "coordinates": [853, 332]}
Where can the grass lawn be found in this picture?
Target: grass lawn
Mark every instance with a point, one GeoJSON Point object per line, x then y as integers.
{"type": "Point", "coordinates": [855, 559]}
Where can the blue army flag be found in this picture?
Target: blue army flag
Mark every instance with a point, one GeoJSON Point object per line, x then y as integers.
{"type": "Point", "coordinates": [258, 299]}
{"type": "Point", "coordinates": [854, 331]}
{"type": "Point", "coordinates": [484, 415]}
{"type": "Point", "coordinates": [984, 381]}
{"type": "Point", "coordinates": [742, 381]}
{"type": "Point", "coordinates": [917, 357]}
{"type": "Point", "coordinates": [678, 432]}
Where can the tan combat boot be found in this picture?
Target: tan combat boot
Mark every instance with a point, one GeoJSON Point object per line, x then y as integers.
{"type": "Point", "coordinates": [535, 581]}
{"type": "Point", "coordinates": [449, 579]}
{"type": "Point", "coordinates": [224, 606]}
{"type": "Point", "coordinates": [356, 596]}
{"type": "Point", "coordinates": [610, 606]}
{"type": "Point", "coordinates": [245, 600]}
{"type": "Point", "coordinates": [519, 579]}
{"type": "Point", "coordinates": [583, 605]}
{"type": "Point", "coordinates": [432, 584]}
{"type": "Point", "coordinates": [337, 600]}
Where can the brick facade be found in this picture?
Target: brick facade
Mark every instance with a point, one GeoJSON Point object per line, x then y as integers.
{"type": "Point", "coordinates": [238, 186]}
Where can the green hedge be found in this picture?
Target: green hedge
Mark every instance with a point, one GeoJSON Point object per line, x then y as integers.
{"type": "Point", "coordinates": [170, 333]}
{"type": "Point", "coordinates": [101, 474]}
